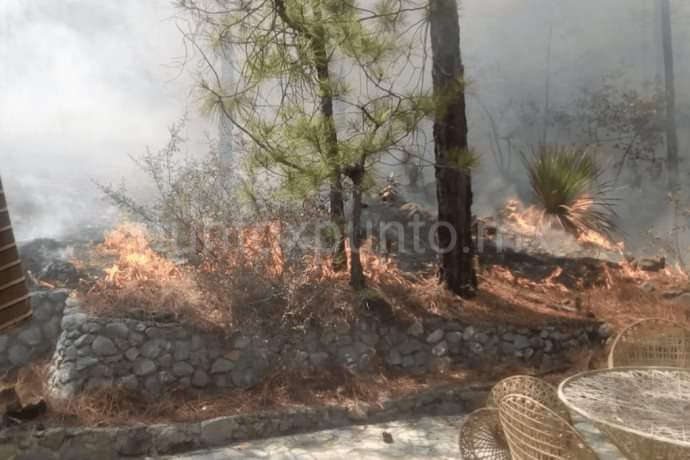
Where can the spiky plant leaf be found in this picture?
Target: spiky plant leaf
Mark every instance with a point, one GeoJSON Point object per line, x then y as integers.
{"type": "Point", "coordinates": [567, 183]}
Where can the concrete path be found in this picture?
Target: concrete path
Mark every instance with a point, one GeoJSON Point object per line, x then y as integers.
{"type": "Point", "coordinates": [424, 438]}
{"type": "Point", "coordinates": [597, 440]}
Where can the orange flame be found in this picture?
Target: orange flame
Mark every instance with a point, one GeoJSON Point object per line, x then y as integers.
{"type": "Point", "coordinates": [531, 222]}
{"type": "Point", "coordinates": [135, 259]}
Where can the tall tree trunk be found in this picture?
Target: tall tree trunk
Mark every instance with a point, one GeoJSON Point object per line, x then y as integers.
{"type": "Point", "coordinates": [337, 202]}
{"type": "Point", "coordinates": [670, 94]}
{"type": "Point", "coordinates": [356, 175]}
{"type": "Point", "coordinates": [454, 183]}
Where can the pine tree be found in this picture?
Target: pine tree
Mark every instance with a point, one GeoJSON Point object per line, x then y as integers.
{"type": "Point", "coordinates": [297, 59]}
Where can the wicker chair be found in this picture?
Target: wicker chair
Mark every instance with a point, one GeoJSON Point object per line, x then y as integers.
{"type": "Point", "coordinates": [535, 388]}
{"type": "Point", "coordinates": [652, 342]}
{"type": "Point", "coordinates": [481, 438]}
{"type": "Point", "coordinates": [535, 432]}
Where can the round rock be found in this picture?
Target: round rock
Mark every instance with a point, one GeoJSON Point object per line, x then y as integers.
{"type": "Point", "coordinates": [103, 346]}
{"type": "Point", "coordinates": [144, 367]}
{"type": "Point", "coordinates": [117, 330]}
{"type": "Point", "coordinates": [200, 379]}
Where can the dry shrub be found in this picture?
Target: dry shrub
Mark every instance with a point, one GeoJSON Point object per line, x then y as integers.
{"type": "Point", "coordinates": [416, 297]}
{"type": "Point", "coordinates": [318, 295]}
{"type": "Point", "coordinates": [244, 269]}
{"type": "Point", "coordinates": [322, 295]}
{"type": "Point", "coordinates": [261, 249]}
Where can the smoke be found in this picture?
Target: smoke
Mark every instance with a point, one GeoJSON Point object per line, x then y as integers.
{"type": "Point", "coordinates": [83, 85]}
{"type": "Point", "coordinates": [523, 56]}
{"type": "Point", "coordinates": [86, 83]}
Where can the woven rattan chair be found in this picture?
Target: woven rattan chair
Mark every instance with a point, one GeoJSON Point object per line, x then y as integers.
{"type": "Point", "coordinates": [652, 342]}
{"type": "Point", "coordinates": [535, 432]}
{"type": "Point", "coordinates": [481, 438]}
{"type": "Point", "coordinates": [533, 387]}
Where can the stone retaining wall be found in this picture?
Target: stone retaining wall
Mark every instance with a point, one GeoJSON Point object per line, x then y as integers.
{"type": "Point", "coordinates": [97, 352]}
{"type": "Point", "coordinates": [21, 344]}
{"type": "Point", "coordinates": [139, 441]}
{"type": "Point", "coordinates": [148, 356]}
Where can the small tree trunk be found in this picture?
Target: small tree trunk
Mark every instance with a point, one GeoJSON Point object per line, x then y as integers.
{"type": "Point", "coordinates": [337, 214]}
{"type": "Point", "coordinates": [453, 184]}
{"type": "Point", "coordinates": [357, 280]}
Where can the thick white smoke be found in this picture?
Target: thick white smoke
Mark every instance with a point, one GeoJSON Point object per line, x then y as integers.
{"type": "Point", "coordinates": [83, 84]}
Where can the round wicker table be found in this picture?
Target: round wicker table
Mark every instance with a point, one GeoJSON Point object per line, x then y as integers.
{"type": "Point", "coordinates": [644, 411]}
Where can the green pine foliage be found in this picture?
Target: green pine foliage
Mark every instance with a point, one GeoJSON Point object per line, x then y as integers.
{"type": "Point", "coordinates": [276, 102]}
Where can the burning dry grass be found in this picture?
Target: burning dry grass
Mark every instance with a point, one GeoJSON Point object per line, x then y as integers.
{"type": "Point", "coordinates": [256, 286]}
{"type": "Point", "coordinates": [303, 290]}
{"type": "Point", "coordinates": [269, 290]}
{"type": "Point", "coordinates": [245, 285]}
{"type": "Point", "coordinates": [531, 225]}
{"type": "Point", "coordinates": [625, 294]}
{"type": "Point", "coordinates": [136, 260]}
{"type": "Point", "coordinates": [505, 297]}
{"type": "Point", "coordinates": [143, 283]}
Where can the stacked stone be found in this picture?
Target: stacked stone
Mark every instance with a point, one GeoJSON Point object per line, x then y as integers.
{"type": "Point", "coordinates": [37, 336]}
{"type": "Point", "coordinates": [94, 353]}
{"type": "Point", "coordinates": [146, 356]}
{"type": "Point", "coordinates": [419, 348]}
{"type": "Point", "coordinates": [354, 348]}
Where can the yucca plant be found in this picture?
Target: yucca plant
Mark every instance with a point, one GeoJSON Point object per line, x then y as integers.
{"type": "Point", "coordinates": [567, 183]}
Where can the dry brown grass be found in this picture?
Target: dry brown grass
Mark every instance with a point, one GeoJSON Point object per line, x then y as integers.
{"type": "Point", "coordinates": [626, 304]}
{"type": "Point", "coordinates": [280, 390]}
